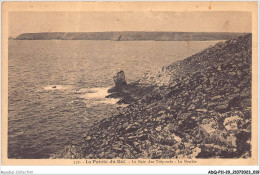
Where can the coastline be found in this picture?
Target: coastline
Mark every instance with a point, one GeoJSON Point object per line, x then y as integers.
{"type": "Point", "coordinates": [130, 36]}
{"type": "Point", "coordinates": [198, 107]}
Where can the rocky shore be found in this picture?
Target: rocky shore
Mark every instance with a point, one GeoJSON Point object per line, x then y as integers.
{"type": "Point", "coordinates": [199, 107]}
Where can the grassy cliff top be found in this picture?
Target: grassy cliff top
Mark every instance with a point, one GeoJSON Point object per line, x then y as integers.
{"type": "Point", "coordinates": [129, 36]}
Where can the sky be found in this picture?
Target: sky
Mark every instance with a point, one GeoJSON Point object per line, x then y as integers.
{"type": "Point", "coordinates": [33, 22]}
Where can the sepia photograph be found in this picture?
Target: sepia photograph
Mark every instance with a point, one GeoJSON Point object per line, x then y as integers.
{"type": "Point", "coordinates": [158, 86]}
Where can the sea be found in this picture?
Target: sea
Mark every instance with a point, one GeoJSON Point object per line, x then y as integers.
{"type": "Point", "coordinates": [57, 88]}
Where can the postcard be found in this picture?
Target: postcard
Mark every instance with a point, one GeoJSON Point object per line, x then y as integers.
{"type": "Point", "coordinates": [129, 83]}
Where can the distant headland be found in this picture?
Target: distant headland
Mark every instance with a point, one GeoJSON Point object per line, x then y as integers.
{"type": "Point", "coordinates": [130, 36]}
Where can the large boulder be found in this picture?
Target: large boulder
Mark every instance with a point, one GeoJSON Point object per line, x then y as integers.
{"type": "Point", "coordinates": [119, 79]}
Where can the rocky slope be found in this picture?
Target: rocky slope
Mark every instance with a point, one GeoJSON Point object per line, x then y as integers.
{"type": "Point", "coordinates": [198, 107]}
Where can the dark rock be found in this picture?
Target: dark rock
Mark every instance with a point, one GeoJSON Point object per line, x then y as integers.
{"type": "Point", "coordinates": [170, 127]}
{"type": "Point", "coordinates": [246, 103]}
{"type": "Point", "coordinates": [131, 128]}
{"type": "Point", "coordinates": [243, 142]}
{"type": "Point", "coordinates": [208, 126]}
{"type": "Point", "coordinates": [192, 107]}
{"type": "Point", "coordinates": [119, 79]}
{"type": "Point", "coordinates": [232, 123]}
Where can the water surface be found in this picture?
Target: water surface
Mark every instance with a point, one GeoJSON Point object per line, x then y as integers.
{"type": "Point", "coordinates": [56, 89]}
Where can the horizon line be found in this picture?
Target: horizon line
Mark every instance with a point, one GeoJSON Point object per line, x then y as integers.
{"type": "Point", "coordinates": [132, 31]}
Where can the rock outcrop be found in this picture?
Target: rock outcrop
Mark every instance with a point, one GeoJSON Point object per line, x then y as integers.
{"type": "Point", "coordinates": [119, 80]}
{"type": "Point", "coordinates": [198, 107]}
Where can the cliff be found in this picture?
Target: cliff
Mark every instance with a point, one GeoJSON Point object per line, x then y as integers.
{"type": "Point", "coordinates": [128, 36]}
{"type": "Point", "coordinates": [199, 107]}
